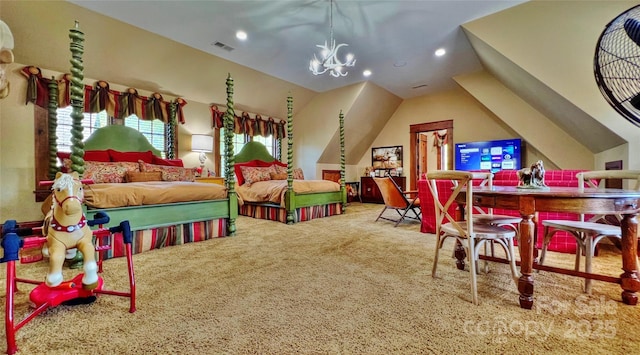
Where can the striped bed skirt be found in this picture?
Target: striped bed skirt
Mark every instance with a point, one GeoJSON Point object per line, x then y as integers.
{"type": "Point", "coordinates": [145, 240]}
{"type": "Point", "coordinates": [274, 213]}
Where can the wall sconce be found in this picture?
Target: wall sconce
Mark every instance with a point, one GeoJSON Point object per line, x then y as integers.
{"type": "Point", "coordinates": [204, 144]}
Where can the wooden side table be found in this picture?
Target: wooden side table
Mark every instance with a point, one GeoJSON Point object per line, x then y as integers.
{"type": "Point", "coordinates": [211, 180]}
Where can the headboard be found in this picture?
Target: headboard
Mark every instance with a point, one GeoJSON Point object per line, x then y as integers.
{"type": "Point", "coordinates": [253, 151]}
{"type": "Point", "coordinates": [120, 138]}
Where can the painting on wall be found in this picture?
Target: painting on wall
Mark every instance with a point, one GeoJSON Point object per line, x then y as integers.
{"type": "Point", "coordinates": [386, 157]}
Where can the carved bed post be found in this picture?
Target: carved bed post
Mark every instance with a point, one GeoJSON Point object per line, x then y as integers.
{"type": "Point", "coordinates": [77, 99]}
{"type": "Point", "coordinates": [53, 125]}
{"type": "Point", "coordinates": [289, 195]}
{"type": "Point", "coordinates": [171, 131]}
{"type": "Point", "coordinates": [342, 164]}
{"type": "Point", "coordinates": [228, 123]}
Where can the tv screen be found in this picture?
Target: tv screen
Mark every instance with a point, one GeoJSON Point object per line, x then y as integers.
{"type": "Point", "coordinates": [491, 155]}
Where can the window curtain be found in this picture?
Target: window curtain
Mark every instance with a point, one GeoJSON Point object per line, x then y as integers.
{"type": "Point", "coordinates": [100, 97]}
{"type": "Point", "coordinates": [440, 138]}
{"type": "Point", "coordinates": [256, 126]}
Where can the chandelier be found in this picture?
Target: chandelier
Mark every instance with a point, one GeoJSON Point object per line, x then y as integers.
{"type": "Point", "coordinates": [329, 61]}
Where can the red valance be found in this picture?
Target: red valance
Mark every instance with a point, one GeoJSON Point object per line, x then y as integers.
{"type": "Point", "coordinates": [102, 98]}
{"type": "Point", "coordinates": [256, 126]}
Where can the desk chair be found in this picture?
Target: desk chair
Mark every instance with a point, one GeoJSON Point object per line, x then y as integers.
{"type": "Point", "coordinates": [471, 235]}
{"type": "Point", "coordinates": [398, 200]}
{"type": "Point", "coordinates": [589, 233]}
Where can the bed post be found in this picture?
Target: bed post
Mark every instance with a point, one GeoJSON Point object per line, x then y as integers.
{"type": "Point", "coordinates": [289, 195]}
{"type": "Point", "coordinates": [77, 99]}
{"type": "Point", "coordinates": [53, 125]}
{"type": "Point", "coordinates": [343, 189]}
{"type": "Point", "coordinates": [171, 131]}
{"type": "Point", "coordinates": [230, 161]}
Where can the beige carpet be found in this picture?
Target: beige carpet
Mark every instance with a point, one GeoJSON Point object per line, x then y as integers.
{"type": "Point", "coordinates": [338, 285]}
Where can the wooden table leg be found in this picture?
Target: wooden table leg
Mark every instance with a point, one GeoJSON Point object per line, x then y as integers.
{"type": "Point", "coordinates": [629, 278]}
{"type": "Point", "coordinates": [526, 246]}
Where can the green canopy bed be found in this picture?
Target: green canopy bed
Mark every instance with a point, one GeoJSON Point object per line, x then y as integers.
{"type": "Point", "coordinates": [121, 159]}
{"type": "Point", "coordinates": [269, 189]}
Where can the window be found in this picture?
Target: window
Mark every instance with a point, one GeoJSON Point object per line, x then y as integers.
{"type": "Point", "coordinates": [154, 130]}
{"type": "Point", "coordinates": [239, 140]}
{"type": "Point", "coordinates": [90, 123]}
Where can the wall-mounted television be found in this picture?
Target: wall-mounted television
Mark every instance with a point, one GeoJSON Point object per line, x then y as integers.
{"type": "Point", "coordinates": [496, 155]}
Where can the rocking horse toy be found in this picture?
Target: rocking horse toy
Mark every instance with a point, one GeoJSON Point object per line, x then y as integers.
{"type": "Point", "coordinates": [65, 227]}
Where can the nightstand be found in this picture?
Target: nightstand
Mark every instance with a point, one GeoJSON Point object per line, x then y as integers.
{"type": "Point", "coordinates": [211, 180]}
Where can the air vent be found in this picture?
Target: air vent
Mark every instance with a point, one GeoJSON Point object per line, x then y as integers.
{"type": "Point", "coordinates": [223, 46]}
{"type": "Point", "coordinates": [419, 86]}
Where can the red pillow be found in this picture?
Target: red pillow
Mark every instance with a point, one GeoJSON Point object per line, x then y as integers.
{"type": "Point", "coordinates": [254, 163]}
{"type": "Point", "coordinates": [117, 156]}
{"type": "Point", "coordinates": [97, 155]}
{"type": "Point", "coordinates": [167, 162]}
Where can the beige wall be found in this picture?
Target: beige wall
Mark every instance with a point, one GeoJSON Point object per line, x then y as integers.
{"type": "Point", "coordinates": [471, 122]}
{"type": "Point", "coordinates": [560, 55]}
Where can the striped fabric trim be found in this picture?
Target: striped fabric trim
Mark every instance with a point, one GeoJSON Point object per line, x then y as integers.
{"type": "Point", "coordinates": [150, 239]}
{"type": "Point", "coordinates": [300, 214]}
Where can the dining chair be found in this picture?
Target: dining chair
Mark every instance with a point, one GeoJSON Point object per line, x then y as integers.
{"type": "Point", "coordinates": [398, 200]}
{"type": "Point", "coordinates": [471, 235]}
{"type": "Point", "coordinates": [590, 232]}
{"type": "Point", "coordinates": [486, 215]}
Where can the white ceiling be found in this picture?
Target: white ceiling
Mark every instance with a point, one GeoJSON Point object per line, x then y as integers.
{"type": "Point", "coordinates": [282, 36]}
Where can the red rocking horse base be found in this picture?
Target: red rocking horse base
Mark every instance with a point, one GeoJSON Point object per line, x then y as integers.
{"type": "Point", "coordinates": [70, 292]}
{"type": "Point", "coordinates": [43, 297]}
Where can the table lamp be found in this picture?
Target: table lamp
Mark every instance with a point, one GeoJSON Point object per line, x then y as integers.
{"type": "Point", "coordinates": [204, 144]}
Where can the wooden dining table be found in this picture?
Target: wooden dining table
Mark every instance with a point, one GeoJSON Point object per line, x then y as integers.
{"type": "Point", "coordinates": [566, 199]}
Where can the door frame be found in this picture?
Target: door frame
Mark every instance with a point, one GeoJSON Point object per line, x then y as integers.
{"type": "Point", "coordinates": [414, 131]}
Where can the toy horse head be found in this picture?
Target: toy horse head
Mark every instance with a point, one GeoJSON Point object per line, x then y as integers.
{"type": "Point", "coordinates": [68, 193]}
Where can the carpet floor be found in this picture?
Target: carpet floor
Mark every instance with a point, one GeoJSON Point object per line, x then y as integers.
{"type": "Point", "coordinates": [338, 285]}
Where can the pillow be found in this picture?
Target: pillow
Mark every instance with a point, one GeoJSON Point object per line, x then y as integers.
{"type": "Point", "coordinates": [168, 162]}
{"type": "Point", "coordinates": [97, 155]}
{"type": "Point", "coordinates": [170, 173]}
{"type": "Point", "coordinates": [65, 161]}
{"type": "Point", "coordinates": [101, 172]}
{"type": "Point", "coordinates": [146, 157]}
{"type": "Point", "coordinates": [139, 176]}
{"type": "Point", "coordinates": [278, 176]}
{"type": "Point", "coordinates": [238, 168]}
{"type": "Point", "coordinates": [89, 155]}
{"type": "Point", "coordinates": [253, 174]}
{"type": "Point", "coordinates": [279, 167]}
{"type": "Point", "coordinates": [298, 174]}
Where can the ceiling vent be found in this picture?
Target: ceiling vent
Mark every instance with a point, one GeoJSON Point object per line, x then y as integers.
{"type": "Point", "coordinates": [419, 86]}
{"type": "Point", "coordinates": [223, 46]}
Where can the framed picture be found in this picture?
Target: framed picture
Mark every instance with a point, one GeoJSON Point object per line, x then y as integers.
{"type": "Point", "coordinates": [386, 157]}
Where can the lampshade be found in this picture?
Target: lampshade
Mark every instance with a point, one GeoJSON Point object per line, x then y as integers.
{"type": "Point", "coordinates": [201, 143]}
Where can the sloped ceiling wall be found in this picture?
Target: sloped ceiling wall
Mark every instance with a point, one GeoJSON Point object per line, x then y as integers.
{"type": "Point", "coordinates": [551, 67]}
{"type": "Point", "coordinates": [363, 122]}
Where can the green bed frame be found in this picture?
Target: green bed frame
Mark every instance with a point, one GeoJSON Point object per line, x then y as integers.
{"type": "Point", "coordinates": [127, 139]}
{"type": "Point", "coordinates": [293, 201]}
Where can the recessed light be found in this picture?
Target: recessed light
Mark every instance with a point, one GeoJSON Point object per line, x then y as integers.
{"type": "Point", "coordinates": [241, 35]}
{"type": "Point", "coordinates": [366, 72]}
{"type": "Point", "coordinates": [440, 52]}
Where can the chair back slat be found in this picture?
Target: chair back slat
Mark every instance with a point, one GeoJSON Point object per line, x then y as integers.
{"type": "Point", "coordinates": [597, 179]}
{"type": "Point", "coordinates": [461, 180]}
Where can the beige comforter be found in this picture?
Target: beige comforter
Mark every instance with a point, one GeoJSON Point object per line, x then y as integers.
{"type": "Point", "coordinates": [150, 193]}
{"type": "Point", "coordinates": [274, 190]}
